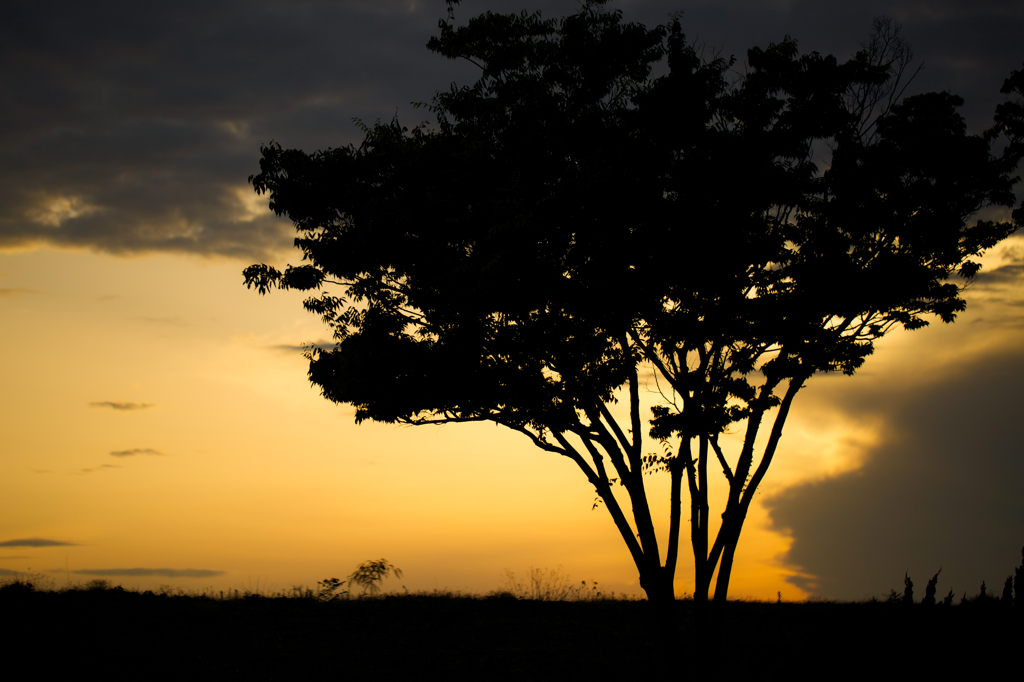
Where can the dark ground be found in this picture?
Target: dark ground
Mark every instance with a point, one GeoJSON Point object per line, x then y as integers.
{"type": "Point", "coordinates": [130, 635]}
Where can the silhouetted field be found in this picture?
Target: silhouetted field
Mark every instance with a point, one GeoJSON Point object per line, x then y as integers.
{"type": "Point", "coordinates": [126, 634]}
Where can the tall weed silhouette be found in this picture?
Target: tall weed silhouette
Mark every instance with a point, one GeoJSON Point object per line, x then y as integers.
{"type": "Point", "coordinates": [548, 585]}
{"type": "Point", "coordinates": [929, 591]}
{"type": "Point", "coordinates": [908, 589]}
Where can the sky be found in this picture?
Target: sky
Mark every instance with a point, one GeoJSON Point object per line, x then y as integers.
{"type": "Point", "coordinates": [158, 427]}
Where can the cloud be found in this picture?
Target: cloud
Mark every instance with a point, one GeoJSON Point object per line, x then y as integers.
{"type": "Point", "coordinates": [301, 348]}
{"type": "Point", "coordinates": [944, 488]}
{"type": "Point", "coordinates": [1005, 274]}
{"type": "Point", "coordinates": [122, 407]}
{"type": "Point", "coordinates": [101, 466]}
{"type": "Point", "coordinates": [135, 451]}
{"type": "Point", "coordinates": [145, 572]}
{"type": "Point", "coordinates": [131, 128]}
{"type": "Point", "coordinates": [36, 542]}
{"type": "Point", "coordinates": [134, 130]}
{"type": "Point", "coordinates": [51, 211]}
{"type": "Point", "coordinates": [6, 572]}
{"type": "Point", "coordinates": [18, 291]}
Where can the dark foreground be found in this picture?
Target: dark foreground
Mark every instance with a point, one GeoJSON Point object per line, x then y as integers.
{"type": "Point", "coordinates": [130, 635]}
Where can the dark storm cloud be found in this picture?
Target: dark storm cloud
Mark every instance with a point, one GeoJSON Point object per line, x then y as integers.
{"type": "Point", "coordinates": [132, 127]}
{"type": "Point", "coordinates": [944, 489]}
{"type": "Point", "coordinates": [122, 407]}
{"type": "Point", "coordinates": [135, 451]}
{"type": "Point", "coordinates": [147, 572]}
{"type": "Point", "coordinates": [136, 122]}
{"type": "Point", "coordinates": [35, 542]}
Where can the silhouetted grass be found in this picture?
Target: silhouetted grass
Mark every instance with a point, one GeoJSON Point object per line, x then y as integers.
{"type": "Point", "coordinates": [299, 634]}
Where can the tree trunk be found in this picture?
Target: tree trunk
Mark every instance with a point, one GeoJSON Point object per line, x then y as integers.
{"type": "Point", "coordinates": [735, 520]}
{"type": "Point", "coordinates": [663, 622]}
{"type": "Point", "coordinates": [725, 571]}
{"type": "Point", "coordinates": [658, 586]}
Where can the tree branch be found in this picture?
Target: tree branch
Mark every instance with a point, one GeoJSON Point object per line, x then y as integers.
{"type": "Point", "coordinates": [795, 384]}
{"type": "Point", "coordinates": [721, 458]}
{"type": "Point", "coordinates": [604, 490]}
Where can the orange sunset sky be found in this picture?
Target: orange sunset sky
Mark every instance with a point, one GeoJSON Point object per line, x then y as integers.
{"type": "Point", "coordinates": [158, 427]}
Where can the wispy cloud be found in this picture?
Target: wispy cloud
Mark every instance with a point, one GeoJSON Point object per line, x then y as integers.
{"type": "Point", "coordinates": [144, 572]}
{"type": "Point", "coordinates": [135, 451]}
{"type": "Point", "coordinates": [1004, 274]}
{"type": "Point", "coordinates": [89, 470]}
{"type": "Point", "coordinates": [35, 542]}
{"type": "Point", "coordinates": [301, 348]}
{"type": "Point", "coordinates": [122, 407]}
{"type": "Point", "coordinates": [6, 572]}
{"type": "Point", "coordinates": [18, 291]}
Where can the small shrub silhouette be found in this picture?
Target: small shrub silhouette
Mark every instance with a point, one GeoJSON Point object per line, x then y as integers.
{"type": "Point", "coordinates": [16, 588]}
{"type": "Point", "coordinates": [371, 574]}
{"type": "Point", "coordinates": [908, 590]}
{"type": "Point", "coordinates": [929, 591]}
{"type": "Point", "coordinates": [948, 600]}
{"type": "Point", "coordinates": [328, 589]}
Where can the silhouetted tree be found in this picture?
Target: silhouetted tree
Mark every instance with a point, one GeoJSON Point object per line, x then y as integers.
{"type": "Point", "coordinates": [908, 589]}
{"type": "Point", "coordinates": [571, 224]}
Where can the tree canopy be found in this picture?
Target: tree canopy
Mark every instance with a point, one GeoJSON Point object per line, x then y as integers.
{"type": "Point", "coordinates": [572, 221]}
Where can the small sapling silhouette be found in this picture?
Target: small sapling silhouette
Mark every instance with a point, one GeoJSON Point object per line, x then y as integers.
{"type": "Point", "coordinates": [370, 574]}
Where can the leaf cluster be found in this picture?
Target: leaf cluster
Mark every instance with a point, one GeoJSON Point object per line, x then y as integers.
{"type": "Point", "coordinates": [571, 216]}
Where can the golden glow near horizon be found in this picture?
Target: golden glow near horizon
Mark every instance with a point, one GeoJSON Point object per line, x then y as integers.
{"type": "Point", "coordinates": [157, 415]}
